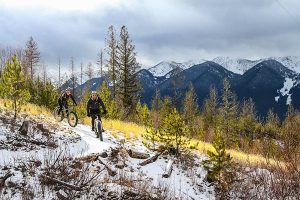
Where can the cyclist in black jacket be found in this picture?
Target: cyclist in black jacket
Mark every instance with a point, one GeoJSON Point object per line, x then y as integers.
{"type": "Point", "coordinates": [63, 99]}
{"type": "Point", "coordinates": [93, 107]}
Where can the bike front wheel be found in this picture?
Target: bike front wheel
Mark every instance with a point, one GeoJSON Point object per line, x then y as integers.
{"type": "Point", "coordinates": [72, 119]}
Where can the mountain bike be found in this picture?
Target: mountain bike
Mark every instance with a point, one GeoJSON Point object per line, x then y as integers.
{"type": "Point", "coordinates": [68, 113]}
{"type": "Point", "coordinates": [98, 127]}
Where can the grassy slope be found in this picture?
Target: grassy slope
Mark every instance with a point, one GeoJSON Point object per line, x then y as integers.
{"type": "Point", "coordinates": [132, 130]}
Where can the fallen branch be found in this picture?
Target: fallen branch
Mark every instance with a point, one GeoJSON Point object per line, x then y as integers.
{"type": "Point", "coordinates": [4, 178]}
{"type": "Point", "coordinates": [168, 170]}
{"type": "Point", "coordinates": [109, 170]}
{"type": "Point", "coordinates": [136, 154]}
{"type": "Point", "coordinates": [74, 187]}
{"type": "Point", "coordinates": [151, 159]}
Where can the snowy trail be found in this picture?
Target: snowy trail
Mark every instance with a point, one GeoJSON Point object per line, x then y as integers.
{"type": "Point", "coordinates": [93, 144]}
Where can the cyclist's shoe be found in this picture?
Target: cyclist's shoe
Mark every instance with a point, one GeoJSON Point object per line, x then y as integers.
{"type": "Point", "coordinates": [93, 129]}
{"type": "Point", "coordinates": [97, 135]}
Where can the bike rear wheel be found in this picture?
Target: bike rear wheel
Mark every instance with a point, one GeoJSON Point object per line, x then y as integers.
{"type": "Point", "coordinates": [72, 119]}
{"type": "Point", "coordinates": [58, 116]}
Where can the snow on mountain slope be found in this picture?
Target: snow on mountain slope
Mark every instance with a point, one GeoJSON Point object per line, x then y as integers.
{"type": "Point", "coordinates": [163, 68]}
{"type": "Point", "coordinates": [238, 66]}
{"type": "Point", "coordinates": [291, 62]}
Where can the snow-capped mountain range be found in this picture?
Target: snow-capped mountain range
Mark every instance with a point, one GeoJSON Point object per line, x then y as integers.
{"type": "Point", "coordinates": [235, 65]}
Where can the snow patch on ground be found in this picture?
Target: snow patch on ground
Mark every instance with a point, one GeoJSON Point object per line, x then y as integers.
{"type": "Point", "coordinates": [184, 184]}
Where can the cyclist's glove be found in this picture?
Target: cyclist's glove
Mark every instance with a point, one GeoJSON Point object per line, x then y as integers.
{"type": "Point", "coordinates": [88, 114]}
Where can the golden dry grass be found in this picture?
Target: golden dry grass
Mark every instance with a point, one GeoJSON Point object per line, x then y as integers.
{"type": "Point", "coordinates": [28, 108]}
{"type": "Point", "coordinates": [132, 130]}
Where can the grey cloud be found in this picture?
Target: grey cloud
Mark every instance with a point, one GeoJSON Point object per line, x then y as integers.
{"type": "Point", "coordinates": [171, 29]}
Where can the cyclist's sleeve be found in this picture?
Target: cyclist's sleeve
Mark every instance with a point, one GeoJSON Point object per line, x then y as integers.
{"type": "Point", "coordinates": [88, 106]}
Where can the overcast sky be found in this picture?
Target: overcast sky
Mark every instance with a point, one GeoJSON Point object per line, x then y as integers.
{"type": "Point", "coordinates": [177, 30]}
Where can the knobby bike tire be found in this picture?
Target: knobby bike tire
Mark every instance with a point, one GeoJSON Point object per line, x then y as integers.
{"type": "Point", "coordinates": [72, 114]}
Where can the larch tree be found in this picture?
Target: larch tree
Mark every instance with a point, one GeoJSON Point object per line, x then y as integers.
{"type": "Point", "coordinates": [32, 57]}
{"type": "Point", "coordinates": [100, 62]}
{"type": "Point", "coordinates": [89, 72]}
{"type": "Point", "coordinates": [111, 48]}
{"type": "Point", "coordinates": [128, 83]}
{"type": "Point", "coordinates": [12, 84]}
{"type": "Point", "coordinates": [59, 70]}
{"type": "Point", "coordinates": [73, 75]}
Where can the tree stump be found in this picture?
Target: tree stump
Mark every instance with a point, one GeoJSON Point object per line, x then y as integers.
{"type": "Point", "coordinates": [24, 128]}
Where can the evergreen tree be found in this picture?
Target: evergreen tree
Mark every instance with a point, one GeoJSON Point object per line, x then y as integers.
{"type": "Point", "coordinates": [227, 114]}
{"type": "Point", "coordinates": [13, 84]}
{"type": "Point", "coordinates": [247, 120]}
{"type": "Point", "coordinates": [128, 84]}
{"type": "Point", "coordinates": [290, 131]}
{"type": "Point", "coordinates": [219, 165]}
{"type": "Point", "coordinates": [174, 131]}
{"type": "Point", "coordinates": [165, 107]}
{"type": "Point", "coordinates": [46, 94]}
{"type": "Point", "coordinates": [143, 114]}
{"type": "Point", "coordinates": [272, 125]}
{"type": "Point", "coordinates": [210, 110]}
{"type": "Point", "coordinates": [112, 110]}
{"type": "Point", "coordinates": [191, 111]}
{"type": "Point", "coordinates": [153, 125]}
{"type": "Point", "coordinates": [104, 93]}
{"type": "Point", "coordinates": [111, 48]}
{"type": "Point", "coordinates": [32, 57]}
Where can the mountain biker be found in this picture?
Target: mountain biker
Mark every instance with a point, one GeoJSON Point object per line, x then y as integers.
{"type": "Point", "coordinates": [93, 108]}
{"type": "Point", "coordinates": [63, 99]}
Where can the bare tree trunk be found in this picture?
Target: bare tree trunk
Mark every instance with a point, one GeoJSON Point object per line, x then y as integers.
{"type": "Point", "coordinates": [59, 72]}
{"type": "Point", "coordinates": [15, 105]}
{"type": "Point", "coordinates": [81, 66]}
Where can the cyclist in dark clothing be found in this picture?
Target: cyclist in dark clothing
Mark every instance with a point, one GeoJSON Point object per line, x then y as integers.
{"type": "Point", "coordinates": [93, 107]}
{"type": "Point", "coordinates": [63, 99]}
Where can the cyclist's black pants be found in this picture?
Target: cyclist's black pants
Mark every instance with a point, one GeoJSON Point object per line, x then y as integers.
{"type": "Point", "coordinates": [61, 105]}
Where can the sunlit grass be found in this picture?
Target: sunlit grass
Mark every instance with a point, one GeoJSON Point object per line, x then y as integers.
{"type": "Point", "coordinates": [28, 108]}
{"type": "Point", "coordinates": [128, 129]}
{"type": "Point", "coordinates": [131, 130]}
